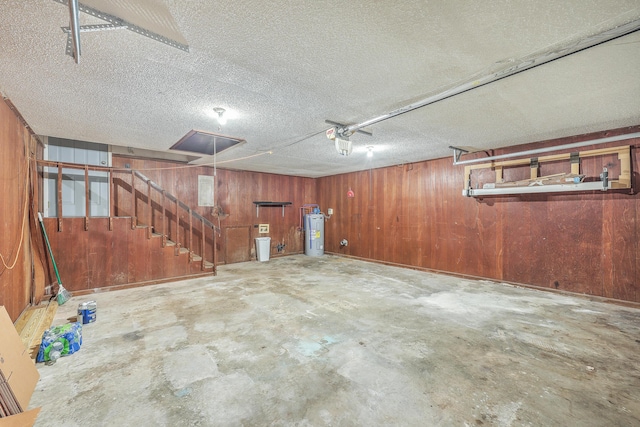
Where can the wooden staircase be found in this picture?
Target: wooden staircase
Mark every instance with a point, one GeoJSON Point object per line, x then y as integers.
{"type": "Point", "coordinates": [155, 213]}
{"type": "Point", "coordinates": [193, 257]}
{"type": "Point", "coordinates": [150, 236]}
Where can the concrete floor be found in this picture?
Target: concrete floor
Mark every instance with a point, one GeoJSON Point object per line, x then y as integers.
{"type": "Point", "coordinates": [332, 341]}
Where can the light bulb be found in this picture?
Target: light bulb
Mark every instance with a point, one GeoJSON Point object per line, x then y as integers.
{"type": "Point", "coordinates": [222, 119]}
{"type": "Point", "coordinates": [370, 152]}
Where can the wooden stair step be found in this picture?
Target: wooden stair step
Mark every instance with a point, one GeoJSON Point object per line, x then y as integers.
{"type": "Point", "coordinates": [170, 243]}
{"type": "Point", "coordinates": [154, 234]}
{"type": "Point", "coordinates": [196, 258]}
{"type": "Point", "coordinates": [184, 250]}
{"type": "Point", "coordinates": [32, 324]}
{"type": "Point", "coordinates": [208, 264]}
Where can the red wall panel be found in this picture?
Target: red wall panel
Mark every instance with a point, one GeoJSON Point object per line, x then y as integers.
{"type": "Point", "coordinates": [101, 258]}
{"type": "Point", "coordinates": [15, 220]}
{"type": "Point", "coordinates": [235, 192]}
{"type": "Point", "coordinates": [415, 215]}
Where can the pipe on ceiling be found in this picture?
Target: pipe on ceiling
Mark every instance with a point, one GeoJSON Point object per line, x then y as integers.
{"type": "Point", "coordinates": [525, 63]}
{"type": "Point", "coordinates": [548, 149]}
{"type": "Point", "coordinates": [74, 25]}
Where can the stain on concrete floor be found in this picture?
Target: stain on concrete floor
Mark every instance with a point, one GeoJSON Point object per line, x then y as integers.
{"type": "Point", "coordinates": [330, 341]}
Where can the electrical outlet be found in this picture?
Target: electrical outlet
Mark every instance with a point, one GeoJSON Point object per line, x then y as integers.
{"type": "Point", "coordinates": [329, 211]}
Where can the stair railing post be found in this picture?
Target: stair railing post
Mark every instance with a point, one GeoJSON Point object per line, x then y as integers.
{"type": "Point", "coordinates": [202, 244]}
{"type": "Point", "coordinates": [112, 197]}
{"type": "Point", "coordinates": [178, 245]}
{"type": "Point", "coordinates": [164, 221]}
{"type": "Point", "coordinates": [87, 194]}
{"type": "Point", "coordinates": [59, 198]}
{"type": "Point", "coordinates": [213, 248]}
{"type": "Point", "coordinates": [190, 243]}
{"type": "Point", "coordinates": [150, 211]}
{"type": "Point", "coordinates": [134, 207]}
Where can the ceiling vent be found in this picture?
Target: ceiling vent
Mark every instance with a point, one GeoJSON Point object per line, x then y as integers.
{"type": "Point", "coordinates": [206, 143]}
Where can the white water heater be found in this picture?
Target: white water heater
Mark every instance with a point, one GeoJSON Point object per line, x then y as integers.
{"type": "Point", "coordinates": [314, 234]}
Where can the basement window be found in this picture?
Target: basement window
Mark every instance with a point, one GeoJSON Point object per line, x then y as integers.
{"type": "Point", "coordinates": [205, 143]}
{"type": "Point", "coordinates": [73, 196]}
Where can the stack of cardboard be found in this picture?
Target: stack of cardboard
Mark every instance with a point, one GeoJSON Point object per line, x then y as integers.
{"type": "Point", "coordinates": [18, 377]}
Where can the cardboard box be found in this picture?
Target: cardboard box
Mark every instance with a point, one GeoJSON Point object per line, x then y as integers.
{"type": "Point", "coordinates": [19, 371]}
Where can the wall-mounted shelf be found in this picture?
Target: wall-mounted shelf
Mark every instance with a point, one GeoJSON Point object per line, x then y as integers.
{"type": "Point", "coordinates": [270, 204]}
{"type": "Point", "coordinates": [567, 182]}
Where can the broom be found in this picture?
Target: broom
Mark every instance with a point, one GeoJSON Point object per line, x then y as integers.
{"type": "Point", "coordinates": [63, 295]}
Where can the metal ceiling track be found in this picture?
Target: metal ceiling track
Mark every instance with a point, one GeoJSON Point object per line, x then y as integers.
{"type": "Point", "coordinates": [338, 124]}
{"type": "Point", "coordinates": [513, 67]}
{"type": "Point", "coordinates": [115, 23]}
{"type": "Point", "coordinates": [73, 42]}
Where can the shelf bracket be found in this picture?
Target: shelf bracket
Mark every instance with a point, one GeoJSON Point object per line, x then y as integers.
{"type": "Point", "coordinates": [282, 204]}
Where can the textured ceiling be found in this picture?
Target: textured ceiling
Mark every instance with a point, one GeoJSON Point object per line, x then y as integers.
{"type": "Point", "coordinates": [282, 68]}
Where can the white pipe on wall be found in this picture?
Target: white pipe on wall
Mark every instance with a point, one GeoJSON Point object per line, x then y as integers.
{"type": "Point", "coordinates": [548, 149]}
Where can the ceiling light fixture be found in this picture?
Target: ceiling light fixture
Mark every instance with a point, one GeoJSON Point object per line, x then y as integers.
{"type": "Point", "coordinates": [370, 151]}
{"type": "Point", "coordinates": [222, 119]}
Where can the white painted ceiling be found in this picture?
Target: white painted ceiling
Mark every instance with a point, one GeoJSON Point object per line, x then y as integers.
{"type": "Point", "coordinates": [281, 68]}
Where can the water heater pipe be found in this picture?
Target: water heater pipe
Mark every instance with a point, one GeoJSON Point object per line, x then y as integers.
{"type": "Point", "coordinates": [302, 210]}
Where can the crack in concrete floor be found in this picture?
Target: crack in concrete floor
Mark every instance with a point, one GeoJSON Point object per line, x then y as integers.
{"type": "Point", "coordinates": [302, 341]}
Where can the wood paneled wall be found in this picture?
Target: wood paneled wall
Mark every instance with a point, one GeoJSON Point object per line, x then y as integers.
{"type": "Point", "coordinates": [235, 192]}
{"type": "Point", "coordinates": [100, 258]}
{"type": "Point", "coordinates": [103, 258]}
{"type": "Point", "coordinates": [415, 215]}
{"type": "Point", "coordinates": [15, 244]}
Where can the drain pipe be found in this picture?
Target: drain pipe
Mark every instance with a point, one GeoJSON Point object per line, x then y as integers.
{"type": "Point", "coordinates": [557, 51]}
{"type": "Point", "coordinates": [548, 149]}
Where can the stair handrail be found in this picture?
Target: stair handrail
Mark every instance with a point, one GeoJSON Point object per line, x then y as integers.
{"type": "Point", "coordinates": [151, 184]}
{"type": "Point", "coordinates": [192, 214]}
{"type": "Point", "coordinates": [173, 198]}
